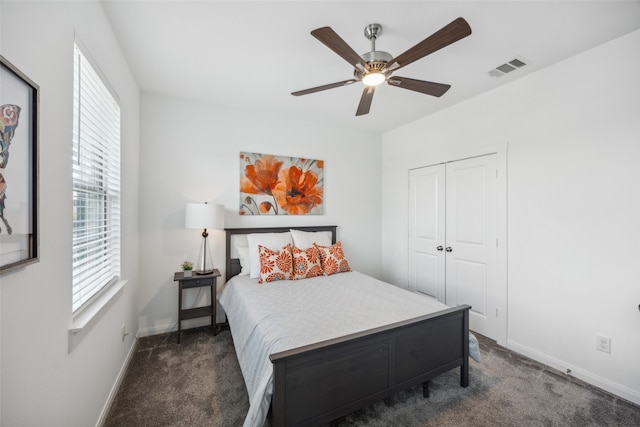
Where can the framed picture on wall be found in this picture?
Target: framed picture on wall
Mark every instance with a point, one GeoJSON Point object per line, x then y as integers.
{"type": "Point", "coordinates": [18, 168]}
{"type": "Point", "coordinates": [280, 185]}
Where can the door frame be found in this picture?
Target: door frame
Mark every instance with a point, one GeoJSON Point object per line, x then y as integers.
{"type": "Point", "coordinates": [500, 150]}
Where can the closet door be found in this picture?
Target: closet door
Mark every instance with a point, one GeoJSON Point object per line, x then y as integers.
{"type": "Point", "coordinates": [426, 231]}
{"type": "Point", "coordinates": [471, 246]}
{"type": "Point", "coordinates": [452, 237]}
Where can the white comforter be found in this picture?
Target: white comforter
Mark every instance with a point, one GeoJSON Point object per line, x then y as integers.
{"type": "Point", "coordinates": [272, 317]}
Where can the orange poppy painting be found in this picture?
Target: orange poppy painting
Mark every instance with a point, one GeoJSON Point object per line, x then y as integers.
{"type": "Point", "coordinates": [277, 185]}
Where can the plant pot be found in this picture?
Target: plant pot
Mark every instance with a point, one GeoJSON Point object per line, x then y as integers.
{"type": "Point", "coordinates": [187, 273]}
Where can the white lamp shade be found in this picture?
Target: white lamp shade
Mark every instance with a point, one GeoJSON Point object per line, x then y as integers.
{"type": "Point", "coordinates": [204, 215]}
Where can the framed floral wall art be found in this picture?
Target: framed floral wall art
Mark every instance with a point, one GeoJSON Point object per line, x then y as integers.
{"type": "Point", "coordinates": [278, 185]}
{"type": "Point", "coordinates": [18, 168]}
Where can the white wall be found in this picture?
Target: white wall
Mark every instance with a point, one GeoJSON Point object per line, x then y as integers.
{"type": "Point", "coordinates": [573, 205]}
{"type": "Point", "coordinates": [42, 383]}
{"type": "Point", "coordinates": [190, 153]}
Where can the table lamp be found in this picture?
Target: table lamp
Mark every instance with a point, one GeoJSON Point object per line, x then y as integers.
{"type": "Point", "coordinates": [204, 215]}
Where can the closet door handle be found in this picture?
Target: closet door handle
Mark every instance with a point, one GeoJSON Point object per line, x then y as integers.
{"type": "Point", "coordinates": [440, 248]}
{"type": "Point", "coordinates": [449, 249]}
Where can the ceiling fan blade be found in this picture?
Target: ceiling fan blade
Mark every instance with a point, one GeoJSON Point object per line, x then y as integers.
{"type": "Point", "coordinates": [334, 42]}
{"type": "Point", "coordinates": [365, 100]}
{"type": "Point", "coordinates": [451, 33]}
{"type": "Point", "coordinates": [323, 87]}
{"type": "Point", "coordinates": [429, 88]}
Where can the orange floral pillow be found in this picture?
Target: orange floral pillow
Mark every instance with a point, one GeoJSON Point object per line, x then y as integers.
{"type": "Point", "coordinates": [333, 259]}
{"type": "Point", "coordinates": [306, 263]}
{"type": "Point", "coordinates": [275, 265]}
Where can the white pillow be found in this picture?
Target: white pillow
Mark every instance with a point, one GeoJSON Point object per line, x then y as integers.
{"type": "Point", "coordinates": [243, 256]}
{"type": "Point", "coordinates": [273, 241]}
{"type": "Point", "coordinates": [305, 239]}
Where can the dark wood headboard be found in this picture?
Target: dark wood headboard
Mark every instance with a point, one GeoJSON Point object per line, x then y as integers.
{"type": "Point", "coordinates": [233, 264]}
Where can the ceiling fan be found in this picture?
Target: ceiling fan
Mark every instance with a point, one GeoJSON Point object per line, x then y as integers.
{"type": "Point", "coordinates": [376, 67]}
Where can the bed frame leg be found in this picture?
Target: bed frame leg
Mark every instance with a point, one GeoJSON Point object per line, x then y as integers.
{"type": "Point", "coordinates": [425, 389]}
{"type": "Point", "coordinates": [464, 373]}
{"type": "Point", "coordinates": [464, 368]}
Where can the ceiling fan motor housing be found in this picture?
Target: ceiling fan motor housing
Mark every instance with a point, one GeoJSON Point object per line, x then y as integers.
{"type": "Point", "coordinates": [377, 56]}
{"type": "Point", "coordinates": [376, 60]}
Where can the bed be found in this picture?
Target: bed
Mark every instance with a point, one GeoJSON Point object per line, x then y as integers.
{"type": "Point", "coordinates": [309, 358]}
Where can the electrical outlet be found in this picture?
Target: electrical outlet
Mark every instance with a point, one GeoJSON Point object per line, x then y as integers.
{"type": "Point", "coordinates": [124, 332]}
{"type": "Point", "coordinates": [603, 344]}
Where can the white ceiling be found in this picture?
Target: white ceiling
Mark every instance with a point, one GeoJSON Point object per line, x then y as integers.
{"type": "Point", "coordinates": [252, 54]}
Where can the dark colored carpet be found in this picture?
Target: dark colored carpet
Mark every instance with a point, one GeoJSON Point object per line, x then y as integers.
{"type": "Point", "coordinates": [199, 383]}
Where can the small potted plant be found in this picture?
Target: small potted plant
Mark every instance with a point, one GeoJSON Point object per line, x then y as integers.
{"type": "Point", "coordinates": [187, 267]}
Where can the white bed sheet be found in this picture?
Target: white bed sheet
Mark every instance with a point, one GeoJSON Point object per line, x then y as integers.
{"type": "Point", "coordinates": [277, 316]}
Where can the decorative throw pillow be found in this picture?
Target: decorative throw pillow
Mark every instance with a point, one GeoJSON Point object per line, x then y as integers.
{"type": "Point", "coordinates": [333, 259]}
{"type": "Point", "coordinates": [306, 263]}
{"type": "Point", "coordinates": [273, 241]}
{"type": "Point", "coordinates": [275, 265]}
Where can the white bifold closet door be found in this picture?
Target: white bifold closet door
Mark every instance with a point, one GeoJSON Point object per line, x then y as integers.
{"type": "Point", "coordinates": [452, 237]}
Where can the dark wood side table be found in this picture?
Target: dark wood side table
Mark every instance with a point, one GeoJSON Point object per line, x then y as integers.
{"type": "Point", "coordinates": [196, 281]}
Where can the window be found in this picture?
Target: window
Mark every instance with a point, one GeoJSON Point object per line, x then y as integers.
{"type": "Point", "coordinates": [96, 183]}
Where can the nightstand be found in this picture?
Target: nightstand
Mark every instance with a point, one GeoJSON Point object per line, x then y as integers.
{"type": "Point", "coordinates": [196, 281]}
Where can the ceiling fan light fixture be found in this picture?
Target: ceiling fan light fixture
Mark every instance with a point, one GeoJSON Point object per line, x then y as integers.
{"type": "Point", "coordinates": [373, 78]}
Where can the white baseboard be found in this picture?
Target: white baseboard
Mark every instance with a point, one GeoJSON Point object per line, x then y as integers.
{"type": "Point", "coordinates": [166, 328]}
{"type": "Point", "coordinates": [186, 324]}
{"type": "Point", "coordinates": [586, 376]}
{"type": "Point", "coordinates": [116, 384]}
{"type": "Point", "coordinates": [156, 330]}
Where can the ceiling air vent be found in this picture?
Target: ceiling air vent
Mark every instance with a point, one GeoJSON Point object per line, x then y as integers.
{"type": "Point", "coordinates": [506, 68]}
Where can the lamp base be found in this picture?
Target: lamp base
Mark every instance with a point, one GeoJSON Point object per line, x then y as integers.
{"type": "Point", "coordinates": [204, 265]}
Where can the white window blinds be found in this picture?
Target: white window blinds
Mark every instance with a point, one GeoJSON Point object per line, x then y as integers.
{"type": "Point", "coordinates": [96, 183]}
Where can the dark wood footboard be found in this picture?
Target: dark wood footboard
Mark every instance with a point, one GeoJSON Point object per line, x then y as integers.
{"type": "Point", "coordinates": [324, 381]}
